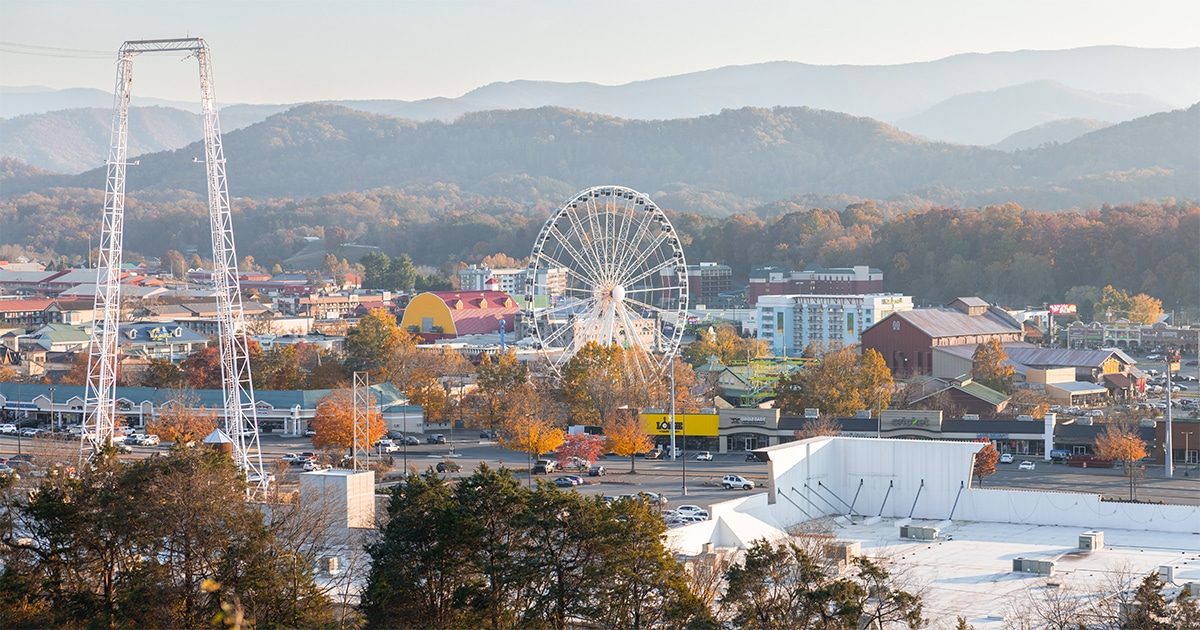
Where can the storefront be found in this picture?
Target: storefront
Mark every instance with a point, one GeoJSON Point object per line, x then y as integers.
{"type": "Point", "coordinates": [748, 429]}
{"type": "Point", "coordinates": [693, 431]}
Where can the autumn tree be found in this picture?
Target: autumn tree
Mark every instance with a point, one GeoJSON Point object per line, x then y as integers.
{"type": "Point", "coordinates": [723, 342]}
{"type": "Point", "coordinates": [985, 462]}
{"type": "Point", "coordinates": [161, 374]}
{"type": "Point", "coordinates": [182, 420]}
{"type": "Point", "coordinates": [626, 436]}
{"type": "Point", "coordinates": [174, 264]}
{"type": "Point", "coordinates": [202, 369]}
{"type": "Point", "coordinates": [990, 366]}
{"type": "Point", "coordinates": [1117, 304]}
{"type": "Point", "coordinates": [78, 373]}
{"type": "Point", "coordinates": [1123, 444]}
{"type": "Point", "coordinates": [581, 446]}
{"type": "Point", "coordinates": [335, 422]}
{"type": "Point", "coordinates": [8, 375]}
{"type": "Point", "coordinates": [532, 435]}
{"type": "Point", "coordinates": [841, 383]}
{"type": "Point", "coordinates": [496, 380]}
{"type": "Point", "coordinates": [371, 344]}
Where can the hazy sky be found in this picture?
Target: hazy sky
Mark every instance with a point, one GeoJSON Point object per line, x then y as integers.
{"type": "Point", "coordinates": [283, 51]}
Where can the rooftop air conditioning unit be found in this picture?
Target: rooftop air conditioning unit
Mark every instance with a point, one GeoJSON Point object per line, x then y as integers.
{"type": "Point", "coordinates": [862, 413]}
{"type": "Point", "coordinates": [809, 412]}
{"type": "Point", "coordinates": [1167, 573]}
{"type": "Point", "coordinates": [1146, 422]}
{"type": "Point", "coordinates": [1091, 540]}
{"type": "Point", "coordinates": [970, 416]}
{"type": "Point", "coordinates": [1084, 421]}
{"type": "Point", "coordinates": [1025, 418]}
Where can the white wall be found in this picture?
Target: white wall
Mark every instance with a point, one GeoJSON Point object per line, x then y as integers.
{"type": "Point", "coordinates": [820, 476]}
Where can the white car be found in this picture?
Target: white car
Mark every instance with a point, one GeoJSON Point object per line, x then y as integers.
{"type": "Point", "coordinates": [704, 456]}
{"type": "Point", "coordinates": [311, 465]}
{"type": "Point", "coordinates": [692, 510]}
{"type": "Point", "coordinates": [8, 429]}
{"type": "Point", "coordinates": [1026, 465]}
{"type": "Point", "coordinates": [1006, 458]}
{"type": "Point", "coordinates": [730, 482]}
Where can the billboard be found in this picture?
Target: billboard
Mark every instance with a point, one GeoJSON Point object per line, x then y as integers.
{"type": "Point", "coordinates": [1062, 309]}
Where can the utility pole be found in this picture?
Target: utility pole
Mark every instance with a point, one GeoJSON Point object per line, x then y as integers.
{"type": "Point", "coordinates": [1169, 471]}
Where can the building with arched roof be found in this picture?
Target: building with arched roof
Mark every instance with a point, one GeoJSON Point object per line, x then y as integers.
{"type": "Point", "coordinates": [450, 314]}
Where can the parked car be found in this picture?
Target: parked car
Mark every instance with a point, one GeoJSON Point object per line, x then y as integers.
{"type": "Point", "coordinates": [312, 465]}
{"type": "Point", "coordinates": [386, 446]}
{"type": "Point", "coordinates": [655, 454]}
{"type": "Point", "coordinates": [151, 440]}
{"type": "Point", "coordinates": [653, 498]}
{"type": "Point", "coordinates": [448, 466]}
{"type": "Point", "coordinates": [752, 457]}
{"type": "Point", "coordinates": [8, 429]}
{"type": "Point", "coordinates": [9, 471]}
{"type": "Point", "coordinates": [1026, 465]}
{"type": "Point", "coordinates": [692, 510]}
{"type": "Point", "coordinates": [568, 481]}
{"type": "Point", "coordinates": [730, 482]}
{"type": "Point", "coordinates": [412, 441]}
{"type": "Point", "coordinates": [310, 432]}
{"type": "Point", "coordinates": [436, 438]}
{"type": "Point", "coordinates": [704, 456]}
{"type": "Point", "coordinates": [597, 471]}
{"type": "Point", "coordinates": [544, 467]}
{"type": "Point", "coordinates": [1006, 458]}
{"type": "Point", "coordinates": [487, 434]}
{"type": "Point", "coordinates": [292, 458]}
{"type": "Point", "coordinates": [30, 432]}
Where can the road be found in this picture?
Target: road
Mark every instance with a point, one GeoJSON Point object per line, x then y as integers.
{"type": "Point", "coordinates": [666, 477]}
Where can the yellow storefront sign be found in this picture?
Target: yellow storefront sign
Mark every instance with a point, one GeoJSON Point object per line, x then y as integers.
{"type": "Point", "coordinates": [698, 424]}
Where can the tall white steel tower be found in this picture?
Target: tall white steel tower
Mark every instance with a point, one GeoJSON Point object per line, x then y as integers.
{"type": "Point", "coordinates": [241, 421]}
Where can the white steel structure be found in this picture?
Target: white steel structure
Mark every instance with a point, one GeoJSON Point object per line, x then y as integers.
{"type": "Point", "coordinates": [626, 277]}
{"type": "Point", "coordinates": [241, 422]}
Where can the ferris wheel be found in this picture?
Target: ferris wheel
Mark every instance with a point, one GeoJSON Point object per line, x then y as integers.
{"type": "Point", "coordinates": [607, 267]}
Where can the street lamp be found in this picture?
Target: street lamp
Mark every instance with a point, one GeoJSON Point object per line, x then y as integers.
{"type": "Point", "coordinates": [1187, 435]}
{"type": "Point", "coordinates": [51, 411]}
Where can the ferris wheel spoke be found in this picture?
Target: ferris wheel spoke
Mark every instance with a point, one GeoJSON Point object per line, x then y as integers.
{"type": "Point", "coordinates": [564, 242]}
{"type": "Point", "coordinates": [630, 329]}
{"type": "Point", "coordinates": [656, 309]}
{"type": "Point", "coordinates": [649, 272]}
{"type": "Point", "coordinates": [632, 245]}
{"type": "Point", "coordinates": [570, 270]}
{"type": "Point", "coordinates": [642, 257]}
{"type": "Point", "coordinates": [594, 232]}
{"type": "Point", "coordinates": [586, 253]}
{"type": "Point", "coordinates": [576, 305]}
{"type": "Point", "coordinates": [650, 289]}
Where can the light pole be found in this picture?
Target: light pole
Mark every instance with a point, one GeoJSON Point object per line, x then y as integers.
{"type": "Point", "coordinates": [529, 451]}
{"type": "Point", "coordinates": [1187, 435]}
{"type": "Point", "coordinates": [404, 416]}
{"type": "Point", "coordinates": [51, 412]}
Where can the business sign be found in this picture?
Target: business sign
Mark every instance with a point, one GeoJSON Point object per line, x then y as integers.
{"type": "Point", "coordinates": [698, 424]}
{"type": "Point", "coordinates": [1062, 309]}
{"type": "Point", "coordinates": [750, 420]}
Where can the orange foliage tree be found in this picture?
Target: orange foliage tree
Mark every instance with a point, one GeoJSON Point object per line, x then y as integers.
{"type": "Point", "coordinates": [531, 434]}
{"type": "Point", "coordinates": [985, 461]}
{"type": "Point", "coordinates": [334, 422]}
{"type": "Point", "coordinates": [183, 421]}
{"type": "Point", "coordinates": [626, 437]}
{"type": "Point", "coordinates": [1123, 445]}
{"type": "Point", "coordinates": [580, 445]}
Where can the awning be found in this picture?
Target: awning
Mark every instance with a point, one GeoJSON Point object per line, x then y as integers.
{"type": "Point", "coordinates": [1118, 381]}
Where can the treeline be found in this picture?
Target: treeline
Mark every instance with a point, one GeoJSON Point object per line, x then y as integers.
{"type": "Point", "coordinates": [1006, 253]}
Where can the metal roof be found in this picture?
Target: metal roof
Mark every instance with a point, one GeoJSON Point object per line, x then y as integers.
{"type": "Point", "coordinates": [947, 322]}
{"type": "Point", "coordinates": [1078, 387]}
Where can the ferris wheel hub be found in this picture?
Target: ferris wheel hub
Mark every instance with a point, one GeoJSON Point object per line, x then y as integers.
{"type": "Point", "coordinates": [618, 292]}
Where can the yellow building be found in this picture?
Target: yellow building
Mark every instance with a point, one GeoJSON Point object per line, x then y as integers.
{"type": "Point", "coordinates": [450, 314]}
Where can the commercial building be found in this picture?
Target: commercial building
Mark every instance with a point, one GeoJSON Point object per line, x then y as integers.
{"type": "Point", "coordinates": [1132, 336]}
{"type": "Point", "coordinates": [707, 281]}
{"type": "Point", "coordinates": [450, 314]}
{"type": "Point", "coordinates": [813, 280]}
{"type": "Point", "coordinates": [977, 552]}
{"type": "Point", "coordinates": [285, 411]}
{"type": "Point", "coordinates": [906, 339]}
{"type": "Point", "coordinates": [514, 282]}
{"type": "Point", "coordinates": [788, 323]}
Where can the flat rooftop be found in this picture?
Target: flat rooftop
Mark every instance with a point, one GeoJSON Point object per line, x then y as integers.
{"type": "Point", "coordinates": [968, 570]}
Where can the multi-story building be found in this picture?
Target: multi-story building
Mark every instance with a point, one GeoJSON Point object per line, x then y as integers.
{"type": "Point", "coordinates": [511, 281]}
{"type": "Point", "coordinates": [814, 280]}
{"type": "Point", "coordinates": [707, 281]}
{"type": "Point", "coordinates": [1132, 336]}
{"type": "Point", "coordinates": [790, 322]}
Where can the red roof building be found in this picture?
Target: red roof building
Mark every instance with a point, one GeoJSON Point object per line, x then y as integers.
{"type": "Point", "coordinates": [450, 314]}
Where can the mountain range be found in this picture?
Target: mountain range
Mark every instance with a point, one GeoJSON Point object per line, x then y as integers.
{"type": "Point", "coordinates": [998, 99]}
{"type": "Point", "coordinates": [752, 154]}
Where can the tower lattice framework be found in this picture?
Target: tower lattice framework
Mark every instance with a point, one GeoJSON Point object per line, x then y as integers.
{"type": "Point", "coordinates": [241, 421]}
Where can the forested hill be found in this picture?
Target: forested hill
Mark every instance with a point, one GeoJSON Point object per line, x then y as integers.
{"type": "Point", "coordinates": [754, 155]}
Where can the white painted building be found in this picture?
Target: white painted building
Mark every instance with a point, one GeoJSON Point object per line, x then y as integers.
{"type": "Point", "coordinates": [511, 281]}
{"type": "Point", "coordinates": [790, 322]}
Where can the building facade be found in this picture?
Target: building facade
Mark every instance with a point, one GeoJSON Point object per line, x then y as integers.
{"type": "Point", "coordinates": [790, 322]}
{"type": "Point", "coordinates": [813, 280]}
{"type": "Point", "coordinates": [906, 339]}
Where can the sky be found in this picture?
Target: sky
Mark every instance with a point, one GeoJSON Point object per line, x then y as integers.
{"type": "Point", "coordinates": [286, 51]}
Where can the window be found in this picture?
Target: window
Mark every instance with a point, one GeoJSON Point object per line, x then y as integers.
{"type": "Point", "coordinates": [896, 324]}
